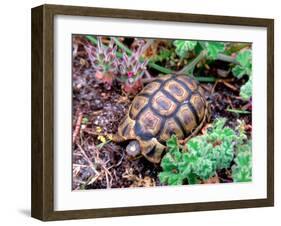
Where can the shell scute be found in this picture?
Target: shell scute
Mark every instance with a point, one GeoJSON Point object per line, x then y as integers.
{"type": "Point", "coordinates": [189, 82]}
{"type": "Point", "coordinates": [162, 104]}
{"type": "Point", "coordinates": [176, 90]}
{"type": "Point", "coordinates": [171, 127]}
{"type": "Point", "coordinates": [198, 104]}
{"type": "Point", "coordinates": [150, 88]}
{"type": "Point", "coordinates": [187, 118]}
{"type": "Point", "coordinates": [137, 106]}
{"type": "Point", "coordinates": [149, 124]}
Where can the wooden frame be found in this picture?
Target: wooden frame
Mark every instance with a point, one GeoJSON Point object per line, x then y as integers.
{"type": "Point", "coordinates": [42, 205]}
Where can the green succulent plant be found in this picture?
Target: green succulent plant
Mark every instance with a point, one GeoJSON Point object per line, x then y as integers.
{"type": "Point", "coordinates": [202, 156]}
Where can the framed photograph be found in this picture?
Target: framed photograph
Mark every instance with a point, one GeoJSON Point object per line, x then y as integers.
{"type": "Point", "coordinates": [141, 112]}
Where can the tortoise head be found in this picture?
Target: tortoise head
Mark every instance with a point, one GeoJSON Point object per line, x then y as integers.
{"type": "Point", "coordinates": [152, 150]}
{"type": "Point", "coordinates": [133, 148]}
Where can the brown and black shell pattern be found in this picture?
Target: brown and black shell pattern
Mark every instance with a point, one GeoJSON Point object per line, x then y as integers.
{"type": "Point", "coordinates": [171, 104]}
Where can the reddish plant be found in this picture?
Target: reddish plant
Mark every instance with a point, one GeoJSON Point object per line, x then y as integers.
{"type": "Point", "coordinates": [104, 61]}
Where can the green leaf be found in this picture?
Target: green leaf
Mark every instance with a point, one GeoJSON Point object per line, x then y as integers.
{"type": "Point", "coordinates": [242, 169]}
{"type": "Point", "coordinates": [188, 161]}
{"type": "Point", "coordinates": [185, 169]}
{"type": "Point", "coordinates": [246, 90]}
{"type": "Point", "coordinates": [192, 178]}
{"type": "Point", "coordinates": [227, 132]}
{"type": "Point", "coordinates": [175, 179]}
{"type": "Point", "coordinates": [189, 158]}
{"type": "Point", "coordinates": [242, 174]}
{"type": "Point", "coordinates": [170, 178]}
{"type": "Point", "coordinates": [193, 145]}
{"type": "Point", "coordinates": [214, 48]}
{"type": "Point", "coordinates": [164, 177]}
{"type": "Point", "coordinates": [198, 49]}
{"type": "Point", "coordinates": [245, 147]}
{"type": "Point", "coordinates": [244, 58]}
{"type": "Point", "coordinates": [226, 155]}
{"type": "Point", "coordinates": [168, 163]}
{"type": "Point", "coordinates": [172, 144]}
{"type": "Point", "coordinates": [164, 54]}
{"type": "Point", "coordinates": [238, 71]}
{"type": "Point", "coordinates": [182, 47]}
{"type": "Point", "coordinates": [204, 168]}
{"type": "Point", "coordinates": [219, 123]}
{"type": "Point", "coordinates": [85, 120]}
{"type": "Point", "coordinates": [243, 159]}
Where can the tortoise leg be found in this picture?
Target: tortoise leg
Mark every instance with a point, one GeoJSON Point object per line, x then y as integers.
{"type": "Point", "coordinates": [116, 138]}
{"type": "Point", "coordinates": [196, 131]}
{"type": "Point", "coordinates": [153, 150]}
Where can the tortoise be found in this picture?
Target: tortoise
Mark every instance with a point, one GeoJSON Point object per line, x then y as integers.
{"type": "Point", "coordinates": [170, 104]}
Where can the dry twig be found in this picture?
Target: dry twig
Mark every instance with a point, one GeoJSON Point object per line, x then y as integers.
{"type": "Point", "coordinates": [77, 126]}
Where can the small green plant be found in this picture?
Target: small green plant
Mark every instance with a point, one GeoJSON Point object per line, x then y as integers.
{"type": "Point", "coordinates": [202, 156]}
{"type": "Point", "coordinates": [211, 48]}
{"type": "Point", "coordinates": [164, 54]}
{"type": "Point", "coordinates": [242, 169]}
{"type": "Point", "coordinates": [244, 67]}
{"type": "Point", "coordinates": [246, 89]}
{"type": "Point", "coordinates": [244, 58]}
{"type": "Point", "coordinates": [183, 47]}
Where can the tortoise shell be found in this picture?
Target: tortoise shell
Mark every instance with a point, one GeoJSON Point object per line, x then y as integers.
{"type": "Point", "coordinates": [171, 104]}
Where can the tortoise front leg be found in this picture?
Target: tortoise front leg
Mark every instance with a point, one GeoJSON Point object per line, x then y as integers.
{"type": "Point", "coordinates": [152, 150]}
